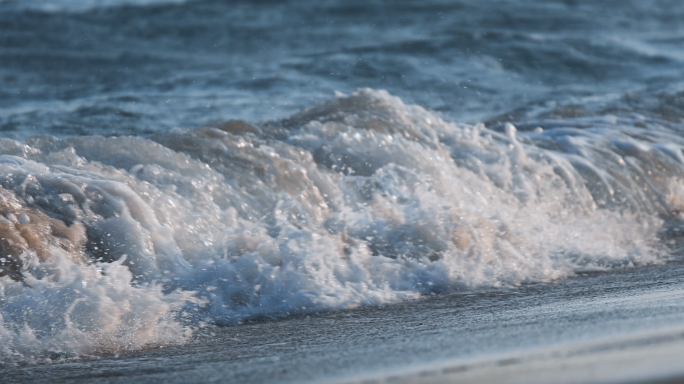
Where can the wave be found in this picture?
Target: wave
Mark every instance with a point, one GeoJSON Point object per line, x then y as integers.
{"type": "Point", "coordinates": [119, 243]}
{"type": "Point", "coordinates": [81, 5]}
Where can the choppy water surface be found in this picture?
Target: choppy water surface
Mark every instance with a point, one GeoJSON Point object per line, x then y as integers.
{"type": "Point", "coordinates": [166, 165]}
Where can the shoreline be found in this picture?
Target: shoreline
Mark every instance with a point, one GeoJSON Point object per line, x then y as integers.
{"type": "Point", "coordinates": [631, 359]}
{"type": "Point", "coordinates": [602, 320]}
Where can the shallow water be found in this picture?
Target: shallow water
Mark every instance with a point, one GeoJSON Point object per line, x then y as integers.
{"type": "Point", "coordinates": [168, 166]}
{"type": "Point", "coordinates": [423, 340]}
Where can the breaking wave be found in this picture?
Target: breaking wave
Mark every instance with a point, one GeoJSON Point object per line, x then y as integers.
{"type": "Point", "coordinates": [119, 243]}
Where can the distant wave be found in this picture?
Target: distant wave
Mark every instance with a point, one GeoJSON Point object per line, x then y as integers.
{"type": "Point", "coordinates": [80, 5]}
{"type": "Point", "coordinates": [115, 243]}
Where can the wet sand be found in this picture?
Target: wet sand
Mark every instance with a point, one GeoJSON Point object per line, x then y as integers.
{"type": "Point", "coordinates": [652, 357]}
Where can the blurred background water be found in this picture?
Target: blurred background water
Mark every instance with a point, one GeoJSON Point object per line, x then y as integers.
{"type": "Point", "coordinates": [140, 66]}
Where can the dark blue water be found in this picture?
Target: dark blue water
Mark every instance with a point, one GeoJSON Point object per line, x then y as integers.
{"type": "Point", "coordinates": [68, 68]}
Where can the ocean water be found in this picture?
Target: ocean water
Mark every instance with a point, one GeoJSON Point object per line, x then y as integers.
{"type": "Point", "coordinates": [168, 166]}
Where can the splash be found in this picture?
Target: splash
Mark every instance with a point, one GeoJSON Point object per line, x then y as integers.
{"type": "Point", "coordinates": [119, 243]}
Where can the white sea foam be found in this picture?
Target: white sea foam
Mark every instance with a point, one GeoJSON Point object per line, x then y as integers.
{"type": "Point", "coordinates": [361, 200]}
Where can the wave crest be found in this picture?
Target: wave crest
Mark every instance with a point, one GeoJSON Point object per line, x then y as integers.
{"type": "Point", "coordinates": [361, 200]}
